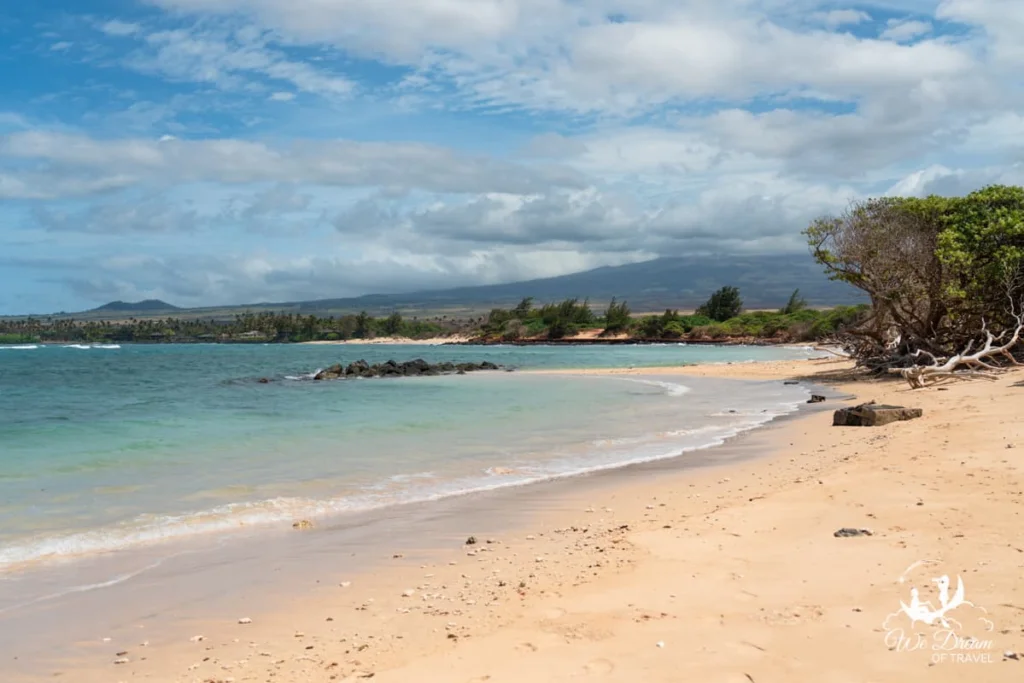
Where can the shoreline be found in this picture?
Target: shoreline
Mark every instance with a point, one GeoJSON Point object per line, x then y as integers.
{"type": "Point", "coordinates": [590, 577]}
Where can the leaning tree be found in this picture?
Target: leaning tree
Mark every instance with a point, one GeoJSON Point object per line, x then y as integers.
{"type": "Point", "coordinates": [941, 273]}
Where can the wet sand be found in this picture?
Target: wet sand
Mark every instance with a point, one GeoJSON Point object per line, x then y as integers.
{"type": "Point", "coordinates": [662, 572]}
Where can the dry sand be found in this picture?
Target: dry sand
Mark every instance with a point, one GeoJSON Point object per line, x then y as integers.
{"type": "Point", "coordinates": [728, 574]}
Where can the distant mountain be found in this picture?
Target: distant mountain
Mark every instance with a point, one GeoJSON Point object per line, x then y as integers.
{"type": "Point", "coordinates": [147, 306]}
{"type": "Point", "coordinates": [679, 282]}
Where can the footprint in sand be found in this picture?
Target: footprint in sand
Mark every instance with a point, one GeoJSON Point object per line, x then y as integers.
{"type": "Point", "coordinates": [599, 667]}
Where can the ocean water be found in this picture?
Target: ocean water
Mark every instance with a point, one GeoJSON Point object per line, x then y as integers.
{"type": "Point", "coordinates": [107, 448]}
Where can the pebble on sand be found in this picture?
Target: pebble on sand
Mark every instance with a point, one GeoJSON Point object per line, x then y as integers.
{"type": "Point", "coordinates": [408, 593]}
{"type": "Point", "coordinates": [197, 639]}
{"type": "Point", "coordinates": [245, 620]}
{"type": "Point", "coordinates": [121, 660]}
{"type": "Point", "coordinates": [345, 584]}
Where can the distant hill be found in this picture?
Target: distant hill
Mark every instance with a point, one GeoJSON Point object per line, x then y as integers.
{"type": "Point", "coordinates": [147, 306]}
{"type": "Point", "coordinates": [679, 282]}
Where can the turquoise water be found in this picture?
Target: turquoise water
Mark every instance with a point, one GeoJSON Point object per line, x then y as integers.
{"type": "Point", "coordinates": [105, 448]}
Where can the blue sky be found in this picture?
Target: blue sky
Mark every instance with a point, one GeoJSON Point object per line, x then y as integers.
{"type": "Point", "coordinates": [228, 151]}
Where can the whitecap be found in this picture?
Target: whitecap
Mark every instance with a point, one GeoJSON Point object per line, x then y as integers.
{"type": "Point", "coordinates": [87, 347]}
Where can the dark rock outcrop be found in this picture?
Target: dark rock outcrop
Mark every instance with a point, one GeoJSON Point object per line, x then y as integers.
{"type": "Point", "coordinates": [873, 415]}
{"type": "Point", "coordinates": [409, 368]}
{"type": "Point", "coordinates": [816, 398]}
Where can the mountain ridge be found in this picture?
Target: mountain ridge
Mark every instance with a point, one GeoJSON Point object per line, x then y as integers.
{"type": "Point", "coordinates": [146, 305]}
{"type": "Point", "coordinates": [682, 282]}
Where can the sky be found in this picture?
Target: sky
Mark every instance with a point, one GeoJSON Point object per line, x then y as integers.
{"type": "Point", "coordinates": [209, 152]}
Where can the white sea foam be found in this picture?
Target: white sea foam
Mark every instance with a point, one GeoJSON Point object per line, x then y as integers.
{"type": "Point", "coordinates": [300, 378]}
{"type": "Point", "coordinates": [88, 347]}
{"type": "Point", "coordinates": [20, 347]}
{"type": "Point", "coordinates": [671, 388]}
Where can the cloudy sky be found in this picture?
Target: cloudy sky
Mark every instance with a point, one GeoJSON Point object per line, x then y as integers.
{"type": "Point", "coordinates": [229, 151]}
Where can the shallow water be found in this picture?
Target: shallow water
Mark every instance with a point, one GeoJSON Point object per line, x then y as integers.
{"type": "Point", "coordinates": [107, 448]}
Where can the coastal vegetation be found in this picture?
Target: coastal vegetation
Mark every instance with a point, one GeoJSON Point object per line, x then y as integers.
{"type": "Point", "coordinates": [17, 338]}
{"type": "Point", "coordinates": [945, 276]}
{"type": "Point", "coordinates": [261, 328]}
{"type": "Point", "coordinates": [795, 322]}
{"type": "Point", "coordinates": [526, 321]}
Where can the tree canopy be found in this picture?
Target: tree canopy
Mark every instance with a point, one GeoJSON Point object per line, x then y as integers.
{"type": "Point", "coordinates": [723, 305]}
{"type": "Point", "coordinates": [937, 269]}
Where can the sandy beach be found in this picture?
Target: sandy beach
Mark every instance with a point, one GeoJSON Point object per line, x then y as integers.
{"type": "Point", "coordinates": [729, 573]}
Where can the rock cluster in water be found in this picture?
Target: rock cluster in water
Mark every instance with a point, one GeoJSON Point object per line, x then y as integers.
{"type": "Point", "coordinates": [409, 368]}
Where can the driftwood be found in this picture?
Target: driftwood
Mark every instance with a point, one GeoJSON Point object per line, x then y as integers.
{"type": "Point", "coordinates": [964, 365]}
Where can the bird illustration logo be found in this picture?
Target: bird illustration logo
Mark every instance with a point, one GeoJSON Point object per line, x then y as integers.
{"type": "Point", "coordinates": [925, 612]}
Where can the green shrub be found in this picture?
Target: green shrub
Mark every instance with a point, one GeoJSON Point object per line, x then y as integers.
{"type": "Point", "coordinates": [723, 304]}
{"type": "Point", "coordinates": [617, 318]}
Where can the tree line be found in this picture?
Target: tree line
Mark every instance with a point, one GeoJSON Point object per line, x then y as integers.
{"type": "Point", "coordinates": [247, 327]}
{"type": "Point", "coordinates": [720, 317]}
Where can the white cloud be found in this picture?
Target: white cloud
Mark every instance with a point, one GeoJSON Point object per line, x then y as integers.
{"type": "Point", "coordinates": [328, 162]}
{"type": "Point", "coordinates": [116, 27]}
{"type": "Point", "coordinates": [842, 17]}
{"type": "Point", "coordinates": [903, 30]}
{"type": "Point", "coordinates": [685, 126]}
{"type": "Point", "coordinates": [62, 46]}
{"type": "Point", "coordinates": [231, 60]}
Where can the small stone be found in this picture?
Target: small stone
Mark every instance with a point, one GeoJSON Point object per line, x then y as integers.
{"type": "Point", "coordinates": [471, 540]}
{"type": "Point", "coordinates": [302, 524]}
{"type": "Point", "coordinates": [660, 643]}
{"type": "Point", "coordinates": [848, 532]}
{"type": "Point", "coordinates": [531, 537]}
{"type": "Point", "coordinates": [539, 559]}
{"type": "Point", "coordinates": [1010, 654]}
{"type": "Point", "coordinates": [121, 660]}
{"type": "Point", "coordinates": [816, 398]}
{"type": "Point", "coordinates": [245, 620]}
{"type": "Point", "coordinates": [408, 593]}
{"type": "Point", "coordinates": [197, 639]}
{"type": "Point", "coordinates": [345, 584]}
